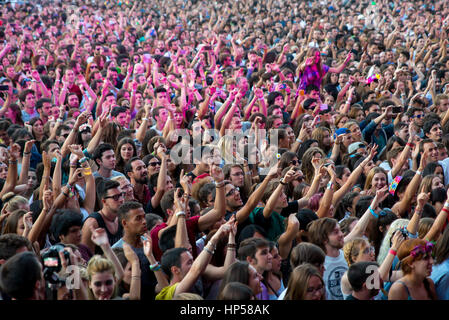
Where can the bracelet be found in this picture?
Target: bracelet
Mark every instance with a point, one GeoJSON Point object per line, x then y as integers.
{"type": "Point", "coordinates": [12, 161]}
{"type": "Point", "coordinates": [329, 185]}
{"type": "Point", "coordinates": [155, 267]}
{"type": "Point", "coordinates": [418, 172]}
{"type": "Point", "coordinates": [65, 194]}
{"type": "Point", "coordinates": [180, 213]}
{"type": "Point", "coordinates": [86, 154]}
{"type": "Point", "coordinates": [144, 119]}
{"type": "Point", "coordinates": [411, 145]}
{"type": "Point", "coordinates": [135, 277]}
{"type": "Point", "coordinates": [59, 120]}
{"type": "Point", "coordinates": [219, 184]}
{"type": "Point", "coordinates": [298, 140]}
{"type": "Point", "coordinates": [231, 245]}
{"type": "Point", "coordinates": [83, 159]}
{"type": "Point", "coordinates": [445, 210]}
{"type": "Point", "coordinates": [282, 182]}
{"type": "Point", "coordinates": [392, 252]}
{"type": "Point", "coordinates": [209, 251]}
{"type": "Point", "coordinates": [26, 153]}
{"type": "Point", "coordinates": [373, 212]}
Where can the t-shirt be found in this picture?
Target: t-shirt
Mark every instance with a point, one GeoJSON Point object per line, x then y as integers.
{"type": "Point", "coordinates": [114, 174]}
{"type": "Point", "coordinates": [167, 293]}
{"type": "Point", "coordinates": [334, 271]}
{"type": "Point", "coordinates": [273, 226]}
{"type": "Point", "coordinates": [192, 230]}
{"type": "Point", "coordinates": [440, 276]}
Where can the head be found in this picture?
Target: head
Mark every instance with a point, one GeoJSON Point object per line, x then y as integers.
{"type": "Point", "coordinates": [132, 217]}
{"type": "Point", "coordinates": [66, 227]}
{"type": "Point", "coordinates": [101, 275]}
{"type": "Point", "coordinates": [244, 273]}
{"type": "Point", "coordinates": [256, 252]}
{"type": "Point", "coordinates": [305, 283]}
{"type": "Point", "coordinates": [104, 156]}
{"type": "Point", "coordinates": [136, 170]}
{"type": "Point", "coordinates": [416, 257]}
{"type": "Point", "coordinates": [360, 278]}
{"type": "Point", "coordinates": [110, 195]}
{"type": "Point", "coordinates": [306, 252]}
{"type": "Point", "coordinates": [326, 233]}
{"type": "Point", "coordinates": [176, 263]}
{"type": "Point", "coordinates": [357, 250]}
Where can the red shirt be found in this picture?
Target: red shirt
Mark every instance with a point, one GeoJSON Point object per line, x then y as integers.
{"type": "Point", "coordinates": [192, 230]}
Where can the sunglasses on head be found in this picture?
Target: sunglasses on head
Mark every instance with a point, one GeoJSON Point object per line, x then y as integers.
{"type": "Point", "coordinates": [231, 192]}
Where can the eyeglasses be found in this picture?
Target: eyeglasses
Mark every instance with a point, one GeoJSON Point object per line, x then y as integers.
{"type": "Point", "coordinates": [93, 67]}
{"type": "Point", "coordinates": [232, 191]}
{"type": "Point", "coordinates": [153, 164]}
{"type": "Point", "coordinates": [116, 197]}
{"type": "Point", "coordinates": [369, 250]}
{"type": "Point", "coordinates": [65, 135]}
{"type": "Point", "coordinates": [418, 116]}
{"type": "Point", "coordinates": [313, 290]}
{"type": "Point", "coordinates": [294, 162]}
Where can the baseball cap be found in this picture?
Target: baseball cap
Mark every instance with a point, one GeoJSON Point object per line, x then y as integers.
{"type": "Point", "coordinates": [354, 146]}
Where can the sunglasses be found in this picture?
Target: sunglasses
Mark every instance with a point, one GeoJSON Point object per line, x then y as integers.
{"type": "Point", "coordinates": [419, 116]}
{"type": "Point", "coordinates": [153, 164]}
{"type": "Point", "coordinates": [116, 197]}
{"type": "Point", "coordinates": [295, 162]}
{"type": "Point", "coordinates": [230, 193]}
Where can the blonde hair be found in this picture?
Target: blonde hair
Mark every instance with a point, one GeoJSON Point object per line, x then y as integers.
{"type": "Point", "coordinates": [426, 183]}
{"type": "Point", "coordinates": [352, 249]}
{"type": "Point", "coordinates": [99, 264]}
{"type": "Point", "coordinates": [226, 147]}
{"type": "Point", "coordinates": [14, 202]}
{"type": "Point", "coordinates": [370, 176]}
{"type": "Point", "coordinates": [385, 246]}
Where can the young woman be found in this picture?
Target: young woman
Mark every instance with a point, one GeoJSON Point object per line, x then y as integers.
{"type": "Point", "coordinates": [306, 283]}
{"type": "Point", "coordinates": [273, 278]}
{"type": "Point", "coordinates": [126, 149]}
{"type": "Point", "coordinates": [243, 272]}
{"type": "Point", "coordinates": [416, 264]}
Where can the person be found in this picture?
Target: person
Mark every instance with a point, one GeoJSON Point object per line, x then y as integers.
{"type": "Point", "coordinates": [104, 157]}
{"type": "Point", "coordinates": [244, 273]}
{"type": "Point", "coordinates": [359, 274]}
{"type": "Point", "coordinates": [111, 197]}
{"type": "Point", "coordinates": [416, 264]}
{"type": "Point", "coordinates": [21, 277]}
{"type": "Point", "coordinates": [305, 283]}
{"type": "Point", "coordinates": [236, 291]}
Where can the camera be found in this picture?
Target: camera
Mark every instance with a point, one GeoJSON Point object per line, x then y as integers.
{"type": "Point", "coordinates": [52, 263]}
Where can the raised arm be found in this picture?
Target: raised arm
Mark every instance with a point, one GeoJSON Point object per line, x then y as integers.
{"type": "Point", "coordinates": [273, 201]}
{"type": "Point", "coordinates": [286, 239]}
{"type": "Point", "coordinates": [326, 201]}
{"type": "Point", "coordinates": [135, 285]}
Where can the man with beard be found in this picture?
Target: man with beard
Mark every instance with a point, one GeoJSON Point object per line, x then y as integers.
{"type": "Point", "coordinates": [132, 218]}
{"type": "Point", "coordinates": [137, 172]}
{"type": "Point", "coordinates": [326, 233]}
{"type": "Point", "coordinates": [360, 276]}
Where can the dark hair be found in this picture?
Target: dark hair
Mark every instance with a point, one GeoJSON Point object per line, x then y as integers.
{"type": "Point", "coordinates": [63, 220]}
{"type": "Point", "coordinates": [171, 258]}
{"type": "Point", "coordinates": [104, 185]}
{"type": "Point", "coordinates": [357, 274]}
{"type": "Point", "coordinates": [98, 152]}
{"type": "Point", "coordinates": [249, 247]}
{"type": "Point", "coordinates": [128, 166]}
{"type": "Point", "coordinates": [10, 243]}
{"type": "Point", "coordinates": [18, 276]}
{"type": "Point", "coordinates": [249, 231]}
{"type": "Point", "coordinates": [427, 126]}
{"type": "Point", "coordinates": [126, 207]}
{"type": "Point", "coordinates": [236, 291]}
{"type": "Point", "coordinates": [167, 239]}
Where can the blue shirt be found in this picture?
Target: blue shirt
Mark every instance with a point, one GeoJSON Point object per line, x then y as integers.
{"type": "Point", "coordinates": [440, 276]}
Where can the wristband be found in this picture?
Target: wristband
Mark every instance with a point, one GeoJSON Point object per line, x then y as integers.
{"type": "Point", "coordinates": [26, 153]}
{"type": "Point", "coordinates": [155, 267]}
{"type": "Point", "coordinates": [144, 119]}
{"type": "Point", "coordinates": [232, 245]}
{"type": "Point", "coordinates": [392, 252]}
{"type": "Point", "coordinates": [87, 154]}
{"type": "Point", "coordinates": [446, 205]}
{"type": "Point", "coordinates": [209, 251]}
{"type": "Point", "coordinates": [418, 172]}
{"type": "Point", "coordinates": [180, 213]}
{"type": "Point", "coordinates": [411, 145]}
{"type": "Point", "coordinates": [329, 185]}
{"type": "Point", "coordinates": [373, 212]}
{"type": "Point", "coordinates": [282, 182]}
{"type": "Point", "coordinates": [219, 184]}
{"type": "Point", "coordinates": [83, 159]}
{"type": "Point", "coordinates": [298, 140]}
{"type": "Point", "coordinates": [445, 210]}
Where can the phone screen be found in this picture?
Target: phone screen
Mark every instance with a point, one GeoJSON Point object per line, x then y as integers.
{"type": "Point", "coordinates": [51, 262]}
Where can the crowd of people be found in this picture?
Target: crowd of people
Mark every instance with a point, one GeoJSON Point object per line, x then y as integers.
{"type": "Point", "coordinates": [230, 150]}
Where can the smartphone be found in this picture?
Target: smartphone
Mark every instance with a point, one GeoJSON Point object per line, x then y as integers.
{"type": "Point", "coordinates": [324, 107]}
{"type": "Point", "coordinates": [51, 262]}
{"type": "Point", "coordinates": [207, 48]}
{"type": "Point", "coordinates": [397, 109]}
{"type": "Point", "coordinates": [4, 87]}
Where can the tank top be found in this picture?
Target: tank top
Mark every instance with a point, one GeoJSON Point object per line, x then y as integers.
{"type": "Point", "coordinates": [113, 238]}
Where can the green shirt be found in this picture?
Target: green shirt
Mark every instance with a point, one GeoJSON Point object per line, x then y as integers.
{"type": "Point", "coordinates": [274, 226]}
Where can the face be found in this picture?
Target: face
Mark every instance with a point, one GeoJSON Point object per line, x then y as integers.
{"type": "Point", "coordinates": [436, 183]}
{"type": "Point", "coordinates": [356, 133]}
{"type": "Point", "coordinates": [367, 253]}
{"type": "Point", "coordinates": [232, 195]}
{"type": "Point", "coordinates": [121, 119]}
{"type": "Point", "coordinates": [135, 223]}
{"type": "Point", "coordinates": [403, 133]}
{"type": "Point", "coordinates": [108, 160]}
{"type": "Point", "coordinates": [423, 267]}
{"type": "Point", "coordinates": [432, 151]}
{"type": "Point", "coordinates": [127, 188]}
{"type": "Point", "coordinates": [276, 261]}
{"type": "Point", "coordinates": [442, 154]}
{"type": "Point", "coordinates": [315, 289]}
{"type": "Point", "coordinates": [336, 238]}
{"type": "Point", "coordinates": [153, 166]}
{"type": "Point", "coordinates": [32, 179]}
{"type": "Point", "coordinates": [139, 173]}
{"type": "Point", "coordinates": [30, 101]}
{"type": "Point", "coordinates": [73, 236]}
{"type": "Point", "coordinates": [418, 118]}
{"type": "Point", "coordinates": [126, 151]}
{"type": "Point", "coordinates": [254, 280]}
{"type": "Point", "coordinates": [102, 285]}
{"type": "Point", "coordinates": [379, 181]}
{"type": "Point", "coordinates": [186, 263]}
{"type": "Point", "coordinates": [264, 260]}
{"type": "Point", "coordinates": [111, 203]}
{"type": "Point", "coordinates": [237, 177]}
{"type": "Point", "coordinates": [38, 127]}
{"type": "Point", "coordinates": [73, 101]}
{"type": "Point", "coordinates": [435, 132]}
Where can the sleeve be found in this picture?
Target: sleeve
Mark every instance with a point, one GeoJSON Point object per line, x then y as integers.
{"type": "Point", "coordinates": [292, 207]}
{"type": "Point", "coordinates": [368, 131]}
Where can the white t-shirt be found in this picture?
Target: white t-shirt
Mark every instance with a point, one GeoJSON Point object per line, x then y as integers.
{"type": "Point", "coordinates": [334, 271]}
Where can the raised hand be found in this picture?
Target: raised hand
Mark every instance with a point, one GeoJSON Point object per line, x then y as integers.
{"type": "Point", "coordinates": [216, 172]}
{"type": "Point", "coordinates": [99, 237]}
{"type": "Point", "coordinates": [130, 255]}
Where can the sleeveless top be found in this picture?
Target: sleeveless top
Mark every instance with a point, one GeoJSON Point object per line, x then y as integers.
{"type": "Point", "coordinates": [113, 238]}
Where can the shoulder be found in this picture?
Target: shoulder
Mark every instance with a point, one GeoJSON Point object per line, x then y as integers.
{"type": "Point", "coordinates": [91, 220]}
{"type": "Point", "coordinates": [398, 291]}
